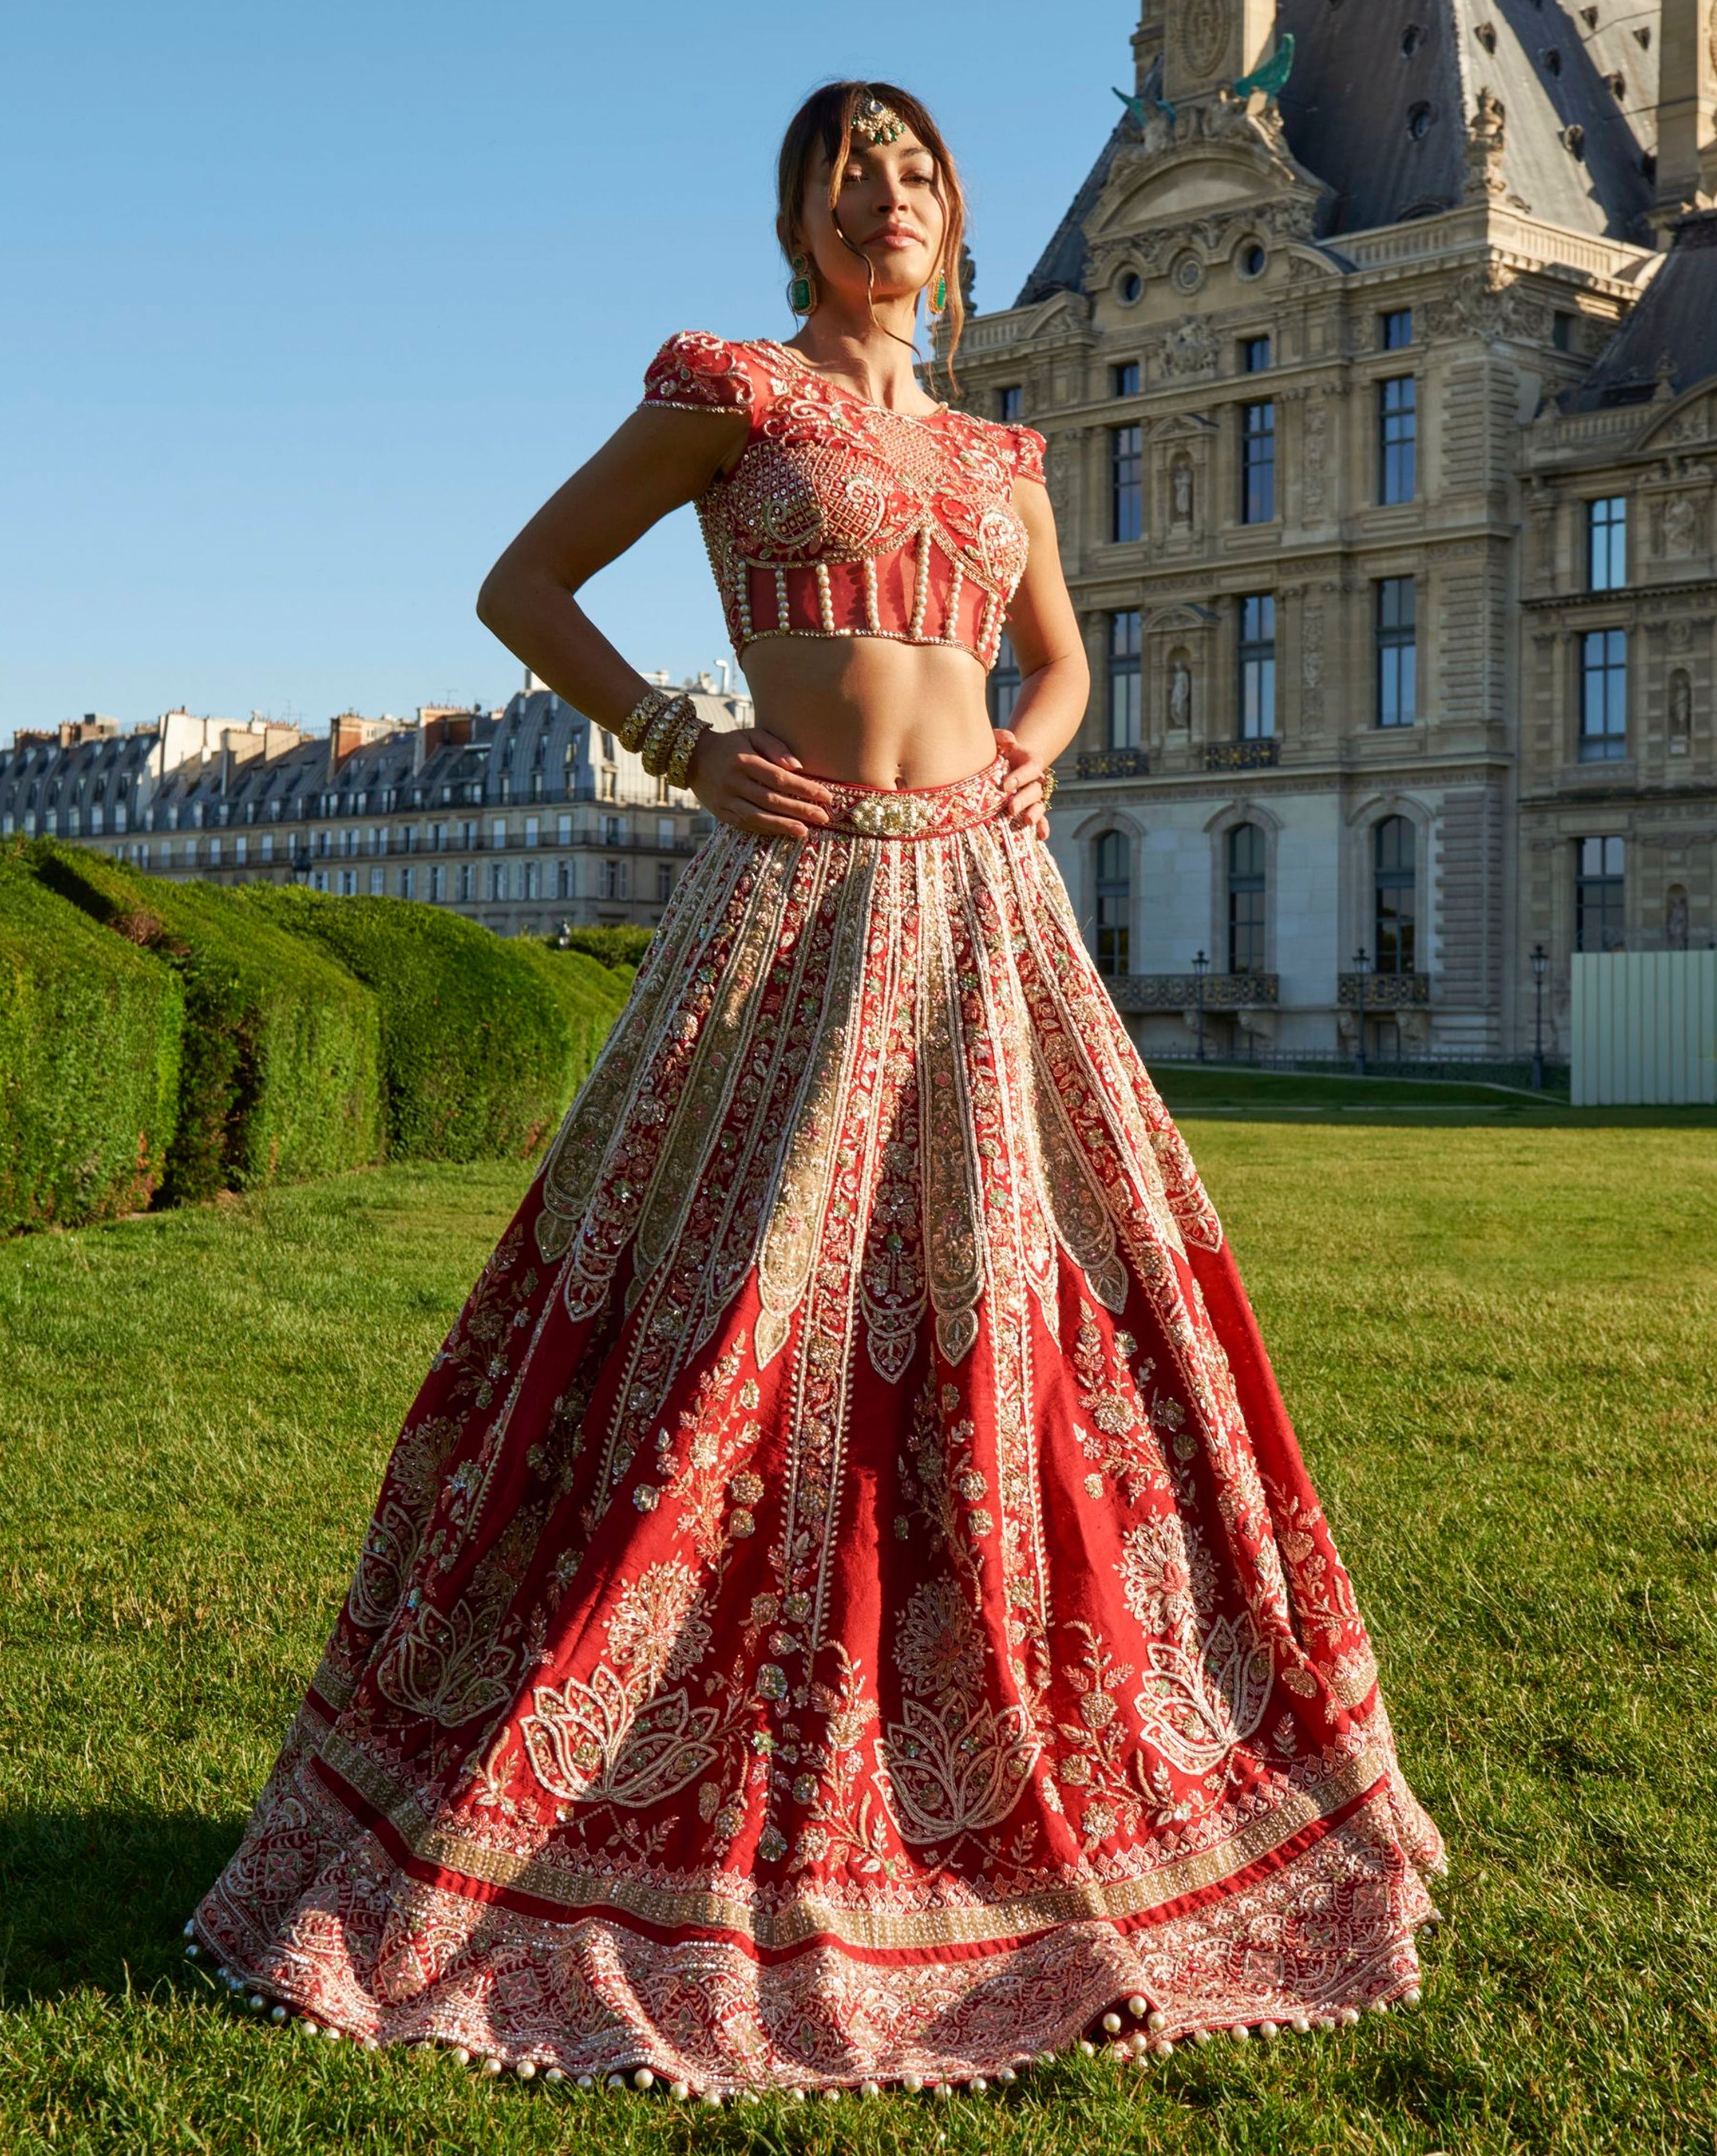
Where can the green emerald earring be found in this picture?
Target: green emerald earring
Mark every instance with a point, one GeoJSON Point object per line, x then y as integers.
{"type": "Point", "coordinates": [801, 291]}
{"type": "Point", "coordinates": [940, 300]}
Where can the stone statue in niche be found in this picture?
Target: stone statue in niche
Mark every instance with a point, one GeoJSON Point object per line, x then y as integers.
{"type": "Point", "coordinates": [1675, 918]}
{"type": "Point", "coordinates": [1680, 712]}
{"type": "Point", "coordinates": [1181, 490]}
{"type": "Point", "coordinates": [1180, 689]}
{"type": "Point", "coordinates": [1680, 525]}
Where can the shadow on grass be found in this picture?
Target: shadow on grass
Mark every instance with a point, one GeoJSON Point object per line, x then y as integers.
{"type": "Point", "coordinates": [100, 1898]}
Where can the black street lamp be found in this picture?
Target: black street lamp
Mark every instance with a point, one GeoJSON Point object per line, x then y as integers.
{"type": "Point", "coordinates": [1362, 966]}
{"type": "Point", "coordinates": [1200, 966]}
{"type": "Point", "coordinates": [1541, 965]}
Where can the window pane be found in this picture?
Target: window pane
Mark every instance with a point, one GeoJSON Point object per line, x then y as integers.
{"type": "Point", "coordinates": [1397, 652]}
{"type": "Point", "coordinates": [1113, 888]}
{"type": "Point", "coordinates": [1126, 483]}
{"type": "Point", "coordinates": [1393, 895]}
{"type": "Point", "coordinates": [1598, 892]}
{"type": "Point", "coordinates": [1604, 694]}
{"type": "Point", "coordinates": [1397, 422]}
{"type": "Point", "coordinates": [1258, 463]}
{"type": "Point", "coordinates": [1606, 543]}
{"type": "Point", "coordinates": [1125, 699]}
{"type": "Point", "coordinates": [1257, 666]}
{"type": "Point", "coordinates": [1004, 683]}
{"type": "Point", "coordinates": [1246, 898]}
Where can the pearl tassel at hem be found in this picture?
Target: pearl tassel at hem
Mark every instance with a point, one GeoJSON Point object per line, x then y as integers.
{"type": "Point", "coordinates": [1120, 2048]}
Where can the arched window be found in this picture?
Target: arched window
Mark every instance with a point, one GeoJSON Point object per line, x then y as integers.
{"type": "Point", "coordinates": [1115, 902]}
{"type": "Point", "coordinates": [1392, 895]}
{"type": "Point", "coordinates": [1246, 898]}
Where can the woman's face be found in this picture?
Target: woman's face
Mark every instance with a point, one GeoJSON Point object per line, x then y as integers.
{"type": "Point", "coordinates": [890, 211]}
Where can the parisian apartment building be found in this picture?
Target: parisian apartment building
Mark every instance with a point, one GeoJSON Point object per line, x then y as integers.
{"type": "Point", "coordinates": [1377, 361]}
{"type": "Point", "coordinates": [527, 817]}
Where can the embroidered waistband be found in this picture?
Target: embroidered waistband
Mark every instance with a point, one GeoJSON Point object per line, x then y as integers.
{"type": "Point", "coordinates": [912, 812]}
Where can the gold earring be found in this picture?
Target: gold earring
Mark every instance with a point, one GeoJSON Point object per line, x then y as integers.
{"type": "Point", "coordinates": [939, 298]}
{"type": "Point", "coordinates": [802, 287]}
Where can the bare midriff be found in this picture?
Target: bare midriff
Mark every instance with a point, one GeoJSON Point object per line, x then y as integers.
{"type": "Point", "coordinates": [872, 711]}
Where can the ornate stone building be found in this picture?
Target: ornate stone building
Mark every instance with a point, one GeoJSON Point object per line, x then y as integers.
{"type": "Point", "coordinates": [523, 819]}
{"type": "Point", "coordinates": [1377, 358]}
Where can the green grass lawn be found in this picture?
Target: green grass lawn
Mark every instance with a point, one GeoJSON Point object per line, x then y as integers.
{"type": "Point", "coordinates": [1497, 1339]}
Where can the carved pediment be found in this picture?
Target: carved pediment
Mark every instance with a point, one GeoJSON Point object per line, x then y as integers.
{"type": "Point", "coordinates": [1214, 159]}
{"type": "Point", "coordinates": [1691, 421]}
{"type": "Point", "coordinates": [1186, 615]}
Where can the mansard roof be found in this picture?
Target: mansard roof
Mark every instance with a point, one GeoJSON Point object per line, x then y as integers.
{"type": "Point", "coordinates": [1671, 333]}
{"type": "Point", "coordinates": [1380, 101]}
{"type": "Point", "coordinates": [1361, 75]}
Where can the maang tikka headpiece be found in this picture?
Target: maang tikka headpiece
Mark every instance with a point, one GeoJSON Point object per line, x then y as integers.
{"type": "Point", "coordinates": [878, 122]}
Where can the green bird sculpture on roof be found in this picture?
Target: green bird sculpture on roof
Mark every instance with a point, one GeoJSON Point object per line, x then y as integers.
{"type": "Point", "coordinates": [1271, 75]}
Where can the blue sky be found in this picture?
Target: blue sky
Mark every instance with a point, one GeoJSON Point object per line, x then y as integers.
{"type": "Point", "coordinates": [310, 305]}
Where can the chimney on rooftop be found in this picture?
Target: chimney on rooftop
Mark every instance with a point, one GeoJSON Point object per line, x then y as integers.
{"type": "Point", "coordinates": [1687, 106]}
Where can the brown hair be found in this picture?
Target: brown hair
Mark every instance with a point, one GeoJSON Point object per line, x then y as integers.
{"type": "Point", "coordinates": [824, 121]}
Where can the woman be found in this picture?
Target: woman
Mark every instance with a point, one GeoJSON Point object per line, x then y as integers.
{"type": "Point", "coordinates": [846, 1606]}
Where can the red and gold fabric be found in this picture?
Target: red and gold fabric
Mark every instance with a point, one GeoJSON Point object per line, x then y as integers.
{"type": "Point", "coordinates": [847, 1602]}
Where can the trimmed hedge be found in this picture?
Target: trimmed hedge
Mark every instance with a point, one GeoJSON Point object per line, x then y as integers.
{"type": "Point", "coordinates": [280, 1080]}
{"type": "Point", "coordinates": [476, 1043]}
{"type": "Point", "coordinates": [89, 1039]}
{"type": "Point", "coordinates": [623, 944]}
{"type": "Point", "coordinates": [590, 995]}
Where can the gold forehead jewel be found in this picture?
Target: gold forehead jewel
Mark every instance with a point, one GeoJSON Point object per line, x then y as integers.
{"type": "Point", "coordinates": [878, 122]}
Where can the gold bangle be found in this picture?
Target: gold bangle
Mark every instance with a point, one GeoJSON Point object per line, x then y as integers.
{"type": "Point", "coordinates": [1049, 786]}
{"type": "Point", "coordinates": [659, 735]}
{"type": "Point", "coordinates": [633, 728]}
{"type": "Point", "coordinates": [680, 761]}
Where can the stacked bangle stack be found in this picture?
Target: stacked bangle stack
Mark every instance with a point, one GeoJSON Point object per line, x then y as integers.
{"type": "Point", "coordinates": [663, 730]}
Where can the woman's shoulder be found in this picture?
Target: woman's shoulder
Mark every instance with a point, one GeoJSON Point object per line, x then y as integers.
{"type": "Point", "coordinates": [1020, 448]}
{"type": "Point", "coordinates": [698, 370]}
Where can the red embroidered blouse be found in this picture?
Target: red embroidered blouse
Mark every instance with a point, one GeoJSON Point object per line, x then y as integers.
{"type": "Point", "coordinates": [843, 518]}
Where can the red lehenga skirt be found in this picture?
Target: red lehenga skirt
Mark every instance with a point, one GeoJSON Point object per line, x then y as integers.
{"type": "Point", "coordinates": [846, 1605]}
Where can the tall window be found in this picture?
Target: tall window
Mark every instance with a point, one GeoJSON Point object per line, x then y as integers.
{"type": "Point", "coordinates": [1115, 902]}
{"type": "Point", "coordinates": [1257, 666]}
{"type": "Point", "coordinates": [1393, 887]}
{"type": "Point", "coordinates": [1254, 355]}
{"type": "Point", "coordinates": [1125, 702]}
{"type": "Point", "coordinates": [1604, 694]}
{"type": "Point", "coordinates": [1395, 329]}
{"type": "Point", "coordinates": [1397, 652]}
{"type": "Point", "coordinates": [497, 880]}
{"type": "Point", "coordinates": [1397, 437]}
{"type": "Point", "coordinates": [1004, 682]}
{"type": "Point", "coordinates": [1124, 379]}
{"type": "Point", "coordinates": [405, 883]}
{"type": "Point", "coordinates": [1257, 462]}
{"type": "Point", "coordinates": [1126, 482]}
{"type": "Point", "coordinates": [1598, 894]}
{"type": "Point", "coordinates": [1606, 543]}
{"type": "Point", "coordinates": [1010, 402]}
{"type": "Point", "coordinates": [1246, 898]}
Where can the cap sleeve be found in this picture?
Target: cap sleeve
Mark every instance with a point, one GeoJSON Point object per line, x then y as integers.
{"type": "Point", "coordinates": [1028, 447]}
{"type": "Point", "coordinates": [694, 372]}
